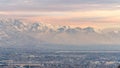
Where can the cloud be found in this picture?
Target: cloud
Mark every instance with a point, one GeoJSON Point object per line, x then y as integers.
{"type": "Point", "coordinates": [57, 5]}
{"type": "Point", "coordinates": [64, 11]}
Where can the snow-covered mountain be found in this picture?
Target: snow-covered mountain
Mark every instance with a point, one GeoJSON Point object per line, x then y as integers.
{"type": "Point", "coordinates": [19, 33]}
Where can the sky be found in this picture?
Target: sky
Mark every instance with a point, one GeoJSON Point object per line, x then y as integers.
{"type": "Point", "coordinates": [95, 13]}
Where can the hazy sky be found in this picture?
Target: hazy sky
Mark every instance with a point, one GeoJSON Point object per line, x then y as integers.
{"type": "Point", "coordinates": [96, 13]}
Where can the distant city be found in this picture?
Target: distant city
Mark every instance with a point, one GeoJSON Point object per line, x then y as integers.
{"type": "Point", "coordinates": [23, 58]}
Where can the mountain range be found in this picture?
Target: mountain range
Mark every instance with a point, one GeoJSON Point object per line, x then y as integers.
{"type": "Point", "coordinates": [21, 33]}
